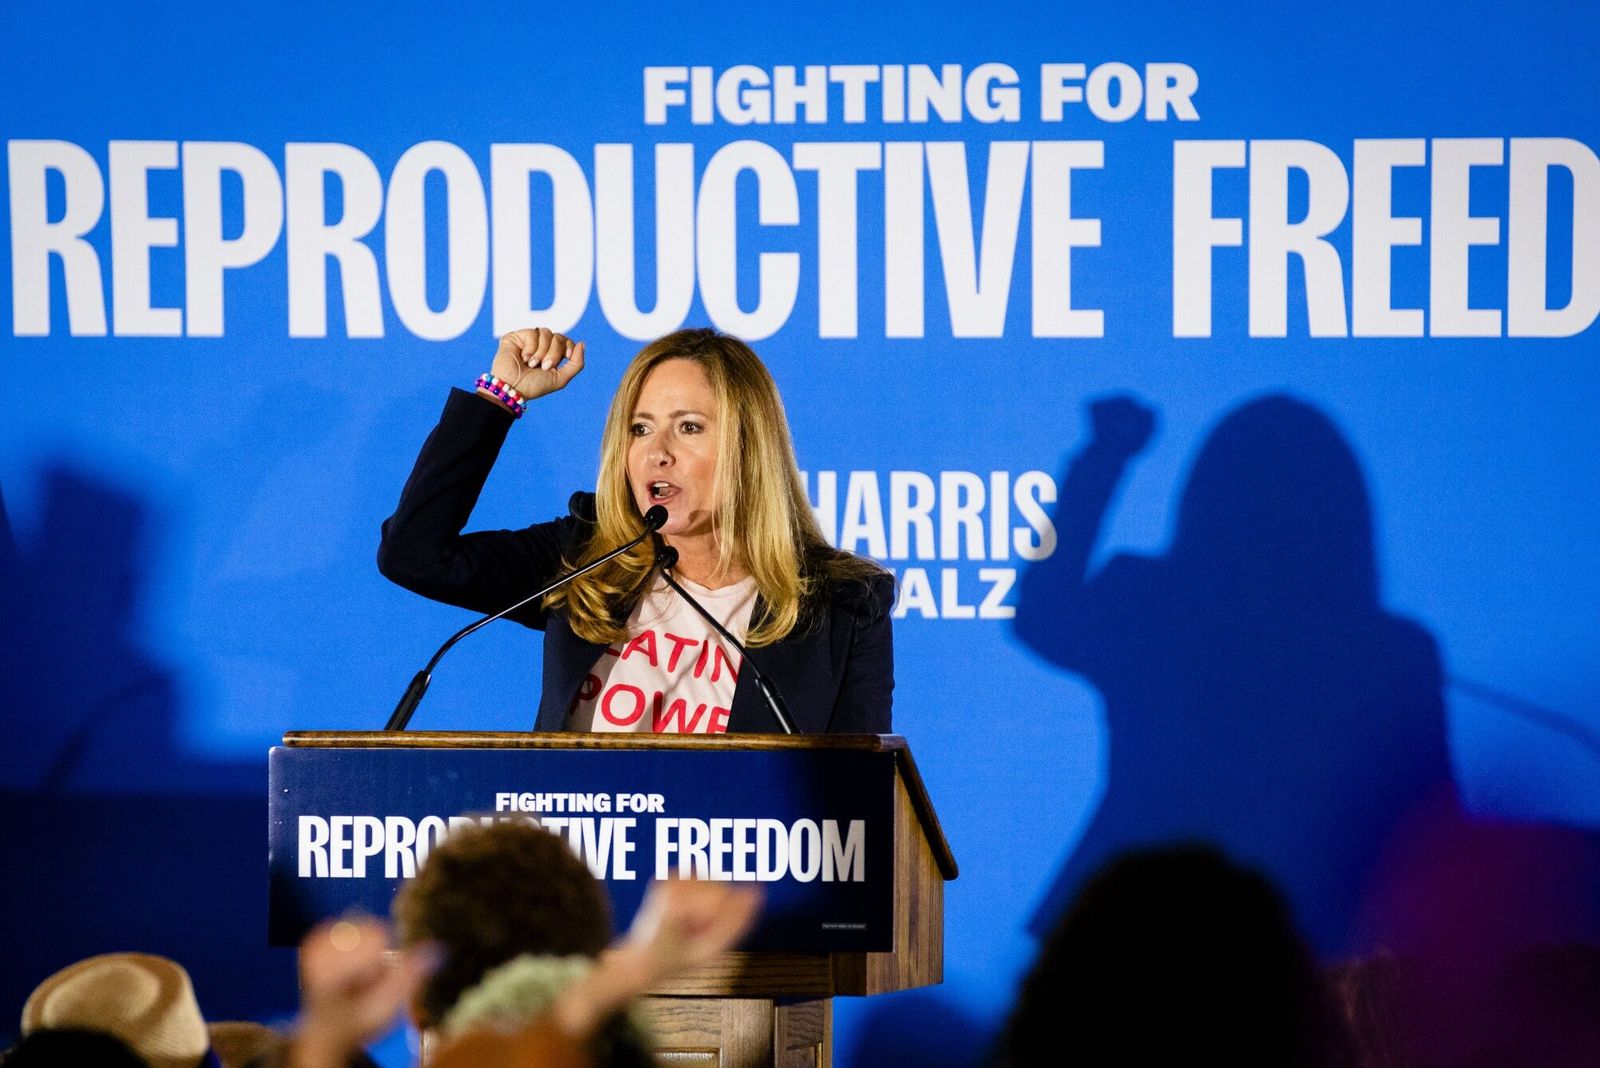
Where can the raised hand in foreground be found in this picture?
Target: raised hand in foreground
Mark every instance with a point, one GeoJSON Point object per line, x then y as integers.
{"type": "Point", "coordinates": [352, 989]}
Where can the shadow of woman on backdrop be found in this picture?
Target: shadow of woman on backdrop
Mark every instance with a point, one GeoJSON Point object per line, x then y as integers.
{"type": "Point", "coordinates": [115, 835]}
{"type": "Point", "coordinates": [1257, 694]}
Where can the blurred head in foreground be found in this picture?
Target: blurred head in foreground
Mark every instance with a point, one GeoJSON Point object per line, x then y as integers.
{"type": "Point", "coordinates": [1170, 955]}
{"type": "Point", "coordinates": [71, 1048]}
{"type": "Point", "coordinates": [488, 894]}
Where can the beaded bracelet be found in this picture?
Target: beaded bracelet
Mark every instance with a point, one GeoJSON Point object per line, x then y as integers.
{"type": "Point", "coordinates": [503, 392]}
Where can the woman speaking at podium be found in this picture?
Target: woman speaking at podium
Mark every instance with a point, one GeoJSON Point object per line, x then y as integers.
{"type": "Point", "coordinates": [696, 427]}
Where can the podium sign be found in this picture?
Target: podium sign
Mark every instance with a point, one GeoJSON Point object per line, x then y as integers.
{"type": "Point", "coordinates": [813, 827]}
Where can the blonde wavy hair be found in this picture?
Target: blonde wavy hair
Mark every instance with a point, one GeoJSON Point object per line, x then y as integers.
{"type": "Point", "coordinates": [762, 520]}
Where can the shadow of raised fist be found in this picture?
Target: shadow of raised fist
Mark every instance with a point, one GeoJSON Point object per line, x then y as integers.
{"type": "Point", "coordinates": [1122, 423]}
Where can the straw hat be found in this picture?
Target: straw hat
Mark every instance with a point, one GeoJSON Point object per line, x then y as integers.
{"type": "Point", "coordinates": [146, 1001]}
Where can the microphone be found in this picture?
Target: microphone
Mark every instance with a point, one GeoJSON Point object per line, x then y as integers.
{"type": "Point", "coordinates": [654, 520]}
{"type": "Point", "coordinates": [666, 558]}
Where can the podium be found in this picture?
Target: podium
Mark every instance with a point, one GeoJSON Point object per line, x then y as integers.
{"type": "Point", "coordinates": [838, 828]}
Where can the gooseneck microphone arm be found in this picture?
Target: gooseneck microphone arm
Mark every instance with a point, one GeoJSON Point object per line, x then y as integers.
{"type": "Point", "coordinates": [666, 558]}
{"type": "Point", "coordinates": [654, 520]}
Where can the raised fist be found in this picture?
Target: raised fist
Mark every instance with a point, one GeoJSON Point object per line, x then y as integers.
{"type": "Point", "coordinates": [537, 361]}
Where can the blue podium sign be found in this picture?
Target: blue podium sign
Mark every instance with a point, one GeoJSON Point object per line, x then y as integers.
{"type": "Point", "coordinates": [814, 827]}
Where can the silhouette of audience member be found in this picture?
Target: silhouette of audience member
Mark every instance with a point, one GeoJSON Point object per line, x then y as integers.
{"type": "Point", "coordinates": [1546, 1008]}
{"type": "Point", "coordinates": [1256, 693]}
{"type": "Point", "coordinates": [1539, 1008]}
{"type": "Point", "coordinates": [71, 1048]}
{"type": "Point", "coordinates": [1495, 963]}
{"type": "Point", "coordinates": [1175, 956]}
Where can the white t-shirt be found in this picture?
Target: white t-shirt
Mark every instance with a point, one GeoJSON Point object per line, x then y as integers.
{"type": "Point", "coordinates": [674, 674]}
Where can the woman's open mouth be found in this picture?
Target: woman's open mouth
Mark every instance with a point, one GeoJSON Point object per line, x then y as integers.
{"type": "Point", "coordinates": [663, 491]}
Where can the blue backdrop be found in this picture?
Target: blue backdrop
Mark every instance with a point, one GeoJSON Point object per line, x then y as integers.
{"type": "Point", "coordinates": [1321, 562]}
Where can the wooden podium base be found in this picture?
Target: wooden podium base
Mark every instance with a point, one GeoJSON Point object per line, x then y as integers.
{"type": "Point", "coordinates": [742, 1032]}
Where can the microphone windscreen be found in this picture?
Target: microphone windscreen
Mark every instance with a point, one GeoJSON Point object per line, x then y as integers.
{"type": "Point", "coordinates": [666, 557]}
{"type": "Point", "coordinates": [655, 518]}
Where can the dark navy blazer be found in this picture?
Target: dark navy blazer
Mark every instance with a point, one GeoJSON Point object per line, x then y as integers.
{"type": "Point", "coordinates": [835, 670]}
